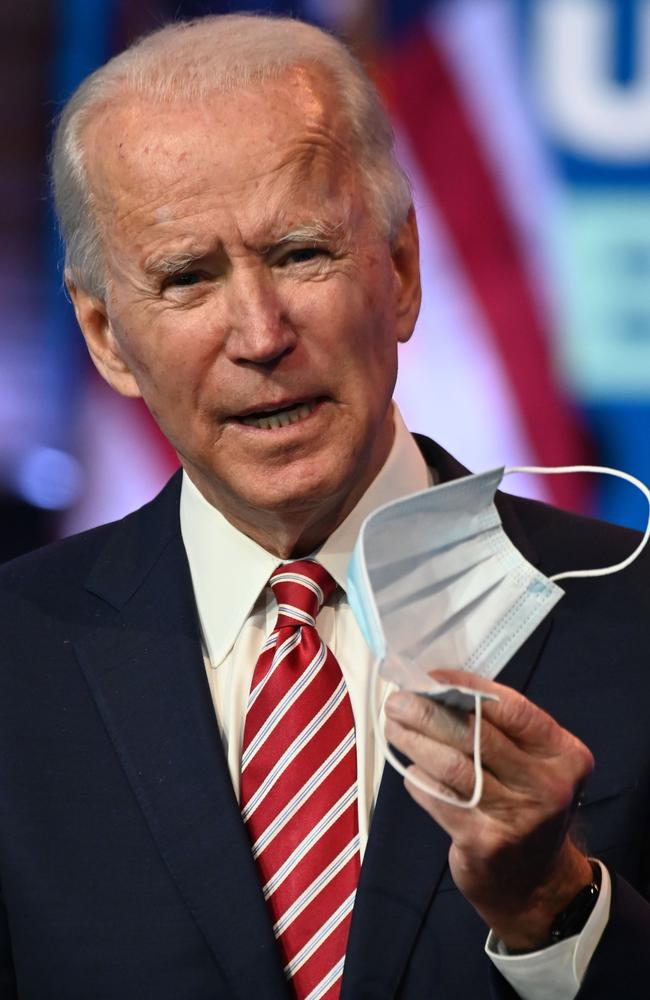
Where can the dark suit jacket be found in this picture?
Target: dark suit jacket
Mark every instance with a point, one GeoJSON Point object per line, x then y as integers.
{"type": "Point", "coordinates": [125, 870]}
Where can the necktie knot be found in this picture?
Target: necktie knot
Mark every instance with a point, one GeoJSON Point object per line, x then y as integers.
{"type": "Point", "coordinates": [301, 588]}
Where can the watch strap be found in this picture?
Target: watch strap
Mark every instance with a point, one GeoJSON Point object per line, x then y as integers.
{"type": "Point", "coordinates": [573, 918]}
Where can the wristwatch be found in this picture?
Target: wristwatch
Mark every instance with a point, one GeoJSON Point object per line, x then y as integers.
{"type": "Point", "coordinates": [574, 917]}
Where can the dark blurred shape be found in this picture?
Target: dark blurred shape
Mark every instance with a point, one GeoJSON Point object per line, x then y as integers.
{"type": "Point", "coordinates": [26, 31]}
{"type": "Point", "coordinates": [23, 527]}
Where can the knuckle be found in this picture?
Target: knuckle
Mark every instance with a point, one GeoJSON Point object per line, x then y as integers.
{"type": "Point", "coordinates": [587, 761]}
{"type": "Point", "coordinates": [461, 728]}
{"type": "Point", "coordinates": [578, 759]}
{"type": "Point", "coordinates": [490, 741]}
{"type": "Point", "coordinates": [425, 712]}
{"type": "Point", "coordinates": [565, 796]}
{"type": "Point", "coordinates": [409, 741]}
{"type": "Point", "coordinates": [457, 768]}
{"type": "Point", "coordinates": [559, 794]}
{"type": "Point", "coordinates": [525, 714]}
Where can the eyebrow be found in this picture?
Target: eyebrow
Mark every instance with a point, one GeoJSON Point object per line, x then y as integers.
{"type": "Point", "coordinates": [171, 263]}
{"type": "Point", "coordinates": [312, 232]}
{"type": "Point", "coordinates": [315, 231]}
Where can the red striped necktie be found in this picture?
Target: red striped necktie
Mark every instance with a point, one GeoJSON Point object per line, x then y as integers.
{"type": "Point", "coordinates": [299, 785]}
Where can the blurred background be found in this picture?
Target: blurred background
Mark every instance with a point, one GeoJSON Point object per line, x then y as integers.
{"type": "Point", "coordinates": [525, 128]}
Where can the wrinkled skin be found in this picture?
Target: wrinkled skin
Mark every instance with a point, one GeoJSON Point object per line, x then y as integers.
{"type": "Point", "coordinates": [219, 306]}
{"type": "Point", "coordinates": [511, 856]}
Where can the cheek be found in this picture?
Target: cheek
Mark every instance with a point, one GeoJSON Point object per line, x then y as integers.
{"type": "Point", "coordinates": [334, 311]}
{"type": "Point", "coordinates": [169, 366]}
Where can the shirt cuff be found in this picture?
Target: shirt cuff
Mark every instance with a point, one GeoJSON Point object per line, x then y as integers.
{"type": "Point", "coordinates": [556, 972]}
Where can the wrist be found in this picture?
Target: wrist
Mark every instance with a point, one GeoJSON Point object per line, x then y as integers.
{"type": "Point", "coordinates": [529, 929]}
{"type": "Point", "coordinates": [573, 918]}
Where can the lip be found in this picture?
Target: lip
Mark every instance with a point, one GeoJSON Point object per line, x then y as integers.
{"type": "Point", "coordinates": [264, 408]}
{"type": "Point", "coordinates": [285, 431]}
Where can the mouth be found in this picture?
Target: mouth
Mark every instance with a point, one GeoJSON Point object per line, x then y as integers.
{"type": "Point", "coordinates": [282, 416]}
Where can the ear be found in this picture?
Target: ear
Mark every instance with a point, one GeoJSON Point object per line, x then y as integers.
{"type": "Point", "coordinates": [405, 253]}
{"type": "Point", "coordinates": [100, 340]}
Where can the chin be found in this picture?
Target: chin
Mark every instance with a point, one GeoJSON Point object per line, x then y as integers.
{"type": "Point", "coordinates": [299, 494]}
{"type": "Point", "coordinates": [285, 502]}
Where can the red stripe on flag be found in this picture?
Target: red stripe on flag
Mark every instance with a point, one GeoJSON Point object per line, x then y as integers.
{"type": "Point", "coordinates": [420, 91]}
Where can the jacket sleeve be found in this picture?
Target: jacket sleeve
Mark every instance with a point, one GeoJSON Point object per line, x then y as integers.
{"type": "Point", "coordinates": [621, 963]}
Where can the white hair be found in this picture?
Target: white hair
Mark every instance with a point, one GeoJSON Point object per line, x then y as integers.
{"type": "Point", "coordinates": [190, 61]}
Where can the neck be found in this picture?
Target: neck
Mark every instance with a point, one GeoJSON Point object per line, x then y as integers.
{"type": "Point", "coordinates": [296, 533]}
{"type": "Point", "coordinates": [290, 532]}
{"type": "Point", "coordinates": [293, 526]}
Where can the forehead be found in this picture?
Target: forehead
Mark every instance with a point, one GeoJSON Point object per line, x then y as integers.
{"type": "Point", "coordinates": [266, 148]}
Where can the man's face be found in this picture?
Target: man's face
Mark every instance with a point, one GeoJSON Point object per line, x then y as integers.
{"type": "Point", "coordinates": [252, 301]}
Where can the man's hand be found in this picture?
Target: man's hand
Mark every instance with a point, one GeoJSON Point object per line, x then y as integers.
{"type": "Point", "coordinates": [511, 856]}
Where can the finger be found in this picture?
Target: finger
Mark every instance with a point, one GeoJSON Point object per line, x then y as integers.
{"type": "Point", "coordinates": [448, 725]}
{"type": "Point", "coordinates": [527, 725]}
{"type": "Point", "coordinates": [516, 716]}
{"type": "Point", "coordinates": [443, 765]}
{"type": "Point", "coordinates": [552, 776]}
{"type": "Point", "coordinates": [464, 826]}
{"type": "Point", "coordinates": [453, 728]}
{"type": "Point", "coordinates": [451, 770]}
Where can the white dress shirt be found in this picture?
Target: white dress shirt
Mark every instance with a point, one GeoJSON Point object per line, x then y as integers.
{"type": "Point", "coordinates": [237, 611]}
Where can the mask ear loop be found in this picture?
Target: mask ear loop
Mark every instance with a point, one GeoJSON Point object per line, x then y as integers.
{"type": "Point", "coordinates": [424, 786]}
{"type": "Point", "coordinates": [602, 470]}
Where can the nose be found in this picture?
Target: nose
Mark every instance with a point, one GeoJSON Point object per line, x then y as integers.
{"type": "Point", "coordinates": [258, 327]}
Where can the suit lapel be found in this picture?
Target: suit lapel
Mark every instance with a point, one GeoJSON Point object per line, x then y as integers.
{"type": "Point", "coordinates": [405, 858]}
{"type": "Point", "coordinates": [406, 855]}
{"type": "Point", "coordinates": [145, 669]}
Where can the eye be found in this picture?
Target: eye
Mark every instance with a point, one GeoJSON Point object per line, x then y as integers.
{"type": "Point", "coordinates": [301, 255]}
{"type": "Point", "coordinates": [184, 279]}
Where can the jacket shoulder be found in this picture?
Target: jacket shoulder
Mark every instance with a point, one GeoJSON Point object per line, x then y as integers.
{"type": "Point", "coordinates": [554, 539]}
{"type": "Point", "coordinates": [64, 566]}
{"type": "Point", "coordinates": [566, 541]}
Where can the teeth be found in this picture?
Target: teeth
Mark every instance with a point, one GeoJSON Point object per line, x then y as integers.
{"type": "Point", "coordinates": [282, 419]}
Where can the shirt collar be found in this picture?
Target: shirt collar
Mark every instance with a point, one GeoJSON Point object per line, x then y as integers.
{"type": "Point", "coordinates": [229, 570]}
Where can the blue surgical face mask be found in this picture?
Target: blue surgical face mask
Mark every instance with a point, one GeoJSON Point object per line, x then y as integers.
{"type": "Point", "coordinates": [434, 581]}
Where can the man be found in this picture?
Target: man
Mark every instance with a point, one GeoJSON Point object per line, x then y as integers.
{"type": "Point", "coordinates": [242, 254]}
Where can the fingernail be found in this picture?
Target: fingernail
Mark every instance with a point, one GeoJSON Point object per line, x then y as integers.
{"type": "Point", "coordinates": [397, 705]}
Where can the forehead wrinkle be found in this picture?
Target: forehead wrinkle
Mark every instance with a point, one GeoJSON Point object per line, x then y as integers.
{"type": "Point", "coordinates": [325, 167]}
{"type": "Point", "coordinates": [294, 222]}
{"type": "Point", "coordinates": [163, 206]}
{"type": "Point", "coordinates": [121, 182]}
{"type": "Point", "coordinates": [313, 122]}
{"type": "Point", "coordinates": [120, 221]}
{"type": "Point", "coordinates": [314, 150]}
